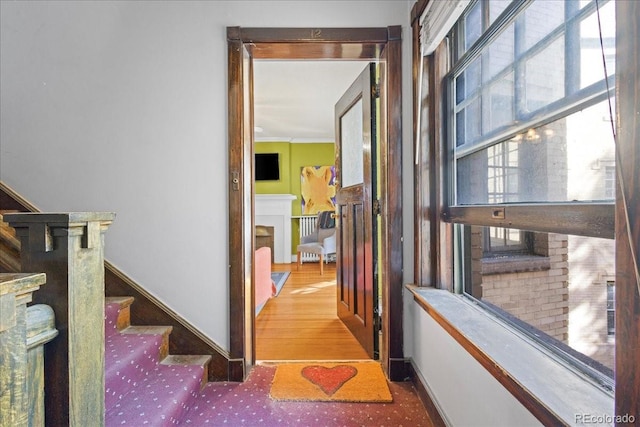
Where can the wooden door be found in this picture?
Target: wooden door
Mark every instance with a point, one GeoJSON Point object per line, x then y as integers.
{"type": "Point", "coordinates": [355, 116]}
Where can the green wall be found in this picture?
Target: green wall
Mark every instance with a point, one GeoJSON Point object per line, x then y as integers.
{"type": "Point", "coordinates": [284, 184]}
{"type": "Point", "coordinates": [293, 157]}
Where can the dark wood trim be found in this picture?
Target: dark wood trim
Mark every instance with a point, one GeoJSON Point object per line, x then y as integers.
{"type": "Point", "coordinates": [431, 232]}
{"type": "Point", "coordinates": [240, 207]}
{"type": "Point", "coordinates": [627, 372]}
{"type": "Point", "coordinates": [442, 233]}
{"type": "Point", "coordinates": [529, 401]}
{"type": "Point", "coordinates": [314, 43]}
{"type": "Point", "coordinates": [396, 369]}
{"type": "Point", "coordinates": [392, 222]}
{"type": "Point", "coordinates": [324, 43]}
{"type": "Point", "coordinates": [417, 10]}
{"type": "Point", "coordinates": [425, 398]}
{"type": "Point", "coordinates": [591, 220]}
{"type": "Point", "coordinates": [421, 189]}
{"type": "Point", "coordinates": [358, 36]}
{"type": "Point", "coordinates": [146, 310]}
{"type": "Point", "coordinates": [237, 370]}
{"type": "Point", "coordinates": [299, 51]}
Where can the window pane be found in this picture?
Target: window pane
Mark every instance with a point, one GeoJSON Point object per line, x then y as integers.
{"type": "Point", "coordinates": [502, 167]}
{"type": "Point", "coordinates": [559, 288]}
{"type": "Point", "coordinates": [549, 52]}
{"type": "Point", "coordinates": [565, 160]}
{"type": "Point", "coordinates": [472, 25]}
{"type": "Point", "coordinates": [352, 163]}
{"type": "Point", "coordinates": [496, 7]}
{"type": "Point", "coordinates": [611, 292]}
{"type": "Point", "coordinates": [611, 307]}
{"type": "Point", "coordinates": [591, 66]}
{"type": "Point", "coordinates": [503, 240]}
{"type": "Point", "coordinates": [540, 19]}
{"type": "Point", "coordinates": [468, 123]}
{"type": "Point", "coordinates": [610, 182]}
{"type": "Point", "coordinates": [545, 76]}
{"type": "Point", "coordinates": [499, 54]}
{"type": "Point", "coordinates": [498, 111]}
{"type": "Point", "coordinates": [468, 83]}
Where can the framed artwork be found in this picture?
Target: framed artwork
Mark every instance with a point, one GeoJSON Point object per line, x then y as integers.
{"type": "Point", "coordinates": [318, 189]}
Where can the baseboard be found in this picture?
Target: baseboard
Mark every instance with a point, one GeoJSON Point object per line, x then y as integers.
{"type": "Point", "coordinates": [9, 199]}
{"type": "Point", "coordinates": [146, 309]}
{"type": "Point", "coordinates": [426, 396]}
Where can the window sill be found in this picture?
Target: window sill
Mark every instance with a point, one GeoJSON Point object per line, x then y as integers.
{"type": "Point", "coordinates": [514, 264]}
{"type": "Point", "coordinates": [552, 391]}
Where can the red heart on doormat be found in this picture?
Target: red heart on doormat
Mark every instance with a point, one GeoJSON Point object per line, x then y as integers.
{"type": "Point", "coordinates": [329, 379]}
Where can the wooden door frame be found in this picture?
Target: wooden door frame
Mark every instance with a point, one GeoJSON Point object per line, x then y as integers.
{"type": "Point", "coordinates": [310, 43]}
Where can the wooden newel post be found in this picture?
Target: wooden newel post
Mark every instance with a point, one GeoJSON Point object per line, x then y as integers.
{"type": "Point", "coordinates": [16, 291]}
{"type": "Point", "coordinates": [69, 248]}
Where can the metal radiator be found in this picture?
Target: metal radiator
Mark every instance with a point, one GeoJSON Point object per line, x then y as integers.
{"type": "Point", "coordinates": [307, 226]}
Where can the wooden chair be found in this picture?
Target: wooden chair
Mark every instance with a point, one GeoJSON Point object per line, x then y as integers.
{"type": "Point", "coordinates": [322, 241]}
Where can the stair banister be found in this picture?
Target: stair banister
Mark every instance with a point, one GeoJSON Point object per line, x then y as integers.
{"type": "Point", "coordinates": [15, 292]}
{"type": "Point", "coordinates": [69, 248]}
{"type": "Point", "coordinates": [40, 330]}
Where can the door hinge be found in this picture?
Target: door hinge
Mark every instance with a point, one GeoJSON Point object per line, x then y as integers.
{"type": "Point", "coordinates": [377, 207]}
{"type": "Point", "coordinates": [375, 90]}
{"type": "Point", "coordinates": [377, 322]}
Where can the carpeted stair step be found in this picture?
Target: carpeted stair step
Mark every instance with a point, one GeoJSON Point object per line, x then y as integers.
{"type": "Point", "coordinates": [144, 385]}
{"type": "Point", "coordinates": [130, 356]}
{"type": "Point", "coordinates": [191, 360]}
{"type": "Point", "coordinates": [162, 398]}
{"type": "Point", "coordinates": [117, 314]}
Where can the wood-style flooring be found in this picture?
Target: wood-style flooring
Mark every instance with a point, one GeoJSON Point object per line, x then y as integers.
{"type": "Point", "coordinates": [301, 322]}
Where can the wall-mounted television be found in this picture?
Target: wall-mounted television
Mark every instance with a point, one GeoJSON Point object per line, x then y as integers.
{"type": "Point", "coordinates": [267, 167]}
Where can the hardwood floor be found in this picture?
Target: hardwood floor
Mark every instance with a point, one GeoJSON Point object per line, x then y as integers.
{"type": "Point", "coordinates": [301, 322]}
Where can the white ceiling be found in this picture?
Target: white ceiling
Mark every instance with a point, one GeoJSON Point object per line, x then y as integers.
{"type": "Point", "coordinates": [294, 100]}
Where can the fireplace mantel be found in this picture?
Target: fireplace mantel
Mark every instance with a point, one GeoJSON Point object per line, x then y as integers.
{"type": "Point", "coordinates": [275, 210]}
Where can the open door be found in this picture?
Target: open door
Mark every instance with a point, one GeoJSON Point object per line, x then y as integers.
{"type": "Point", "coordinates": [355, 116]}
{"type": "Point", "coordinates": [383, 45]}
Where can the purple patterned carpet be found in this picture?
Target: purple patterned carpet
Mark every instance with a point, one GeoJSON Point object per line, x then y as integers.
{"type": "Point", "coordinates": [141, 391]}
{"type": "Point", "coordinates": [248, 404]}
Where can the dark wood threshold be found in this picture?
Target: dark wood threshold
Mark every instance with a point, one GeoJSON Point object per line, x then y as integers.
{"type": "Point", "coordinates": [423, 394]}
{"type": "Point", "coordinates": [146, 310]}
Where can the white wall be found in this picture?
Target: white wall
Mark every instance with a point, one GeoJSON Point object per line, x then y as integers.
{"type": "Point", "coordinates": [112, 106]}
{"type": "Point", "coordinates": [465, 392]}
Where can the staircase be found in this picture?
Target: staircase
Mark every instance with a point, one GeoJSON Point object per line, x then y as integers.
{"type": "Point", "coordinates": [9, 247]}
{"type": "Point", "coordinates": [144, 385]}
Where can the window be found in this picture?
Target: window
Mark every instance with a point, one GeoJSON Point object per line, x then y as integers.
{"type": "Point", "coordinates": [611, 310]}
{"type": "Point", "coordinates": [609, 182]}
{"type": "Point", "coordinates": [527, 94]}
{"type": "Point", "coordinates": [499, 241]}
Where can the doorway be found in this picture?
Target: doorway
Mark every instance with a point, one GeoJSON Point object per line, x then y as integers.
{"type": "Point", "coordinates": [381, 44]}
{"type": "Point", "coordinates": [294, 121]}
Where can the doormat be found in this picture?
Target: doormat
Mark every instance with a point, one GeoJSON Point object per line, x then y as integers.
{"type": "Point", "coordinates": [336, 382]}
